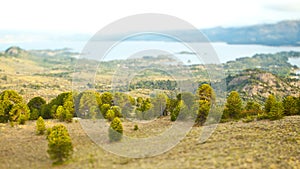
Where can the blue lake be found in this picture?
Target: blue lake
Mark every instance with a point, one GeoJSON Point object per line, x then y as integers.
{"type": "Point", "coordinates": [124, 50]}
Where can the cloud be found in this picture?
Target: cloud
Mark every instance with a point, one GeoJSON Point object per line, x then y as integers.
{"type": "Point", "coordinates": [9, 37]}
{"type": "Point", "coordinates": [283, 6]}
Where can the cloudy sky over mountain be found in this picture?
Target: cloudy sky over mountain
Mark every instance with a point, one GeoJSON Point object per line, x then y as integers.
{"type": "Point", "coordinates": [90, 16]}
{"type": "Point", "coordinates": [56, 23]}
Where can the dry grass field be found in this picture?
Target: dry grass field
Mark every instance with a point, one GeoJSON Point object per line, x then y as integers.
{"type": "Point", "coordinates": [259, 144]}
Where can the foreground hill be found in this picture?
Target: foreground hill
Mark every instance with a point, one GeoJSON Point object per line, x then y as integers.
{"type": "Point", "coordinates": [261, 144]}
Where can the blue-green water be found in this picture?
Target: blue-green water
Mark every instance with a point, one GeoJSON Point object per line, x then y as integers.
{"type": "Point", "coordinates": [225, 52]}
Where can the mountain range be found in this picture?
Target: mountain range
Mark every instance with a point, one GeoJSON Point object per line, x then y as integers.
{"type": "Point", "coordinates": [284, 33]}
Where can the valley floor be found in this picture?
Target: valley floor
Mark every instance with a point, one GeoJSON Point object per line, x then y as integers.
{"type": "Point", "coordinates": [261, 144]}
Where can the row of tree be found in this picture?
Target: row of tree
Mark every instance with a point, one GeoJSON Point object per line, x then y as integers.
{"type": "Point", "coordinates": [91, 104]}
{"type": "Point", "coordinates": [272, 109]}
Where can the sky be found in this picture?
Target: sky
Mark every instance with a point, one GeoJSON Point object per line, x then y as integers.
{"type": "Point", "coordinates": [90, 16]}
{"type": "Point", "coordinates": [36, 24]}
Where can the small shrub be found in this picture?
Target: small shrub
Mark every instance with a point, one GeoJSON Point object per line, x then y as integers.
{"type": "Point", "coordinates": [136, 127]}
{"type": "Point", "coordinates": [60, 145]}
{"type": "Point", "coordinates": [115, 131]}
{"type": "Point", "coordinates": [69, 116]}
{"type": "Point", "coordinates": [63, 114]}
{"type": "Point", "coordinates": [262, 116]}
{"type": "Point", "coordinates": [248, 119]}
{"type": "Point", "coordinates": [34, 114]}
{"type": "Point", "coordinates": [110, 115]}
{"type": "Point", "coordinates": [276, 111]}
{"type": "Point", "coordinates": [40, 126]}
{"type": "Point", "coordinates": [12, 124]}
{"type": "Point", "coordinates": [173, 116]}
{"type": "Point", "coordinates": [22, 119]}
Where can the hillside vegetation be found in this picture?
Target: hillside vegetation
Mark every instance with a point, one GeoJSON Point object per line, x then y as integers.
{"type": "Point", "coordinates": [47, 73]}
{"type": "Point", "coordinates": [258, 113]}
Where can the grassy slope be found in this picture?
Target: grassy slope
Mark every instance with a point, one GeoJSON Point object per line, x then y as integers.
{"type": "Point", "coordinates": [262, 144]}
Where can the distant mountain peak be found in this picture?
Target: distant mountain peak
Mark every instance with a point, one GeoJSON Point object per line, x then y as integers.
{"type": "Point", "coordinates": [15, 51]}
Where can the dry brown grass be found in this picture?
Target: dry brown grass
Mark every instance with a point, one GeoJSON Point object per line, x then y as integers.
{"type": "Point", "coordinates": [262, 144]}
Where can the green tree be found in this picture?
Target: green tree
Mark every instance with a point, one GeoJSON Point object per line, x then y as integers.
{"type": "Point", "coordinates": [106, 98]}
{"type": "Point", "coordinates": [298, 105]}
{"type": "Point", "coordinates": [8, 99]}
{"type": "Point", "coordinates": [5, 107]}
{"type": "Point", "coordinates": [170, 106]}
{"type": "Point", "coordinates": [143, 105]}
{"type": "Point", "coordinates": [60, 145]}
{"type": "Point", "coordinates": [159, 103]}
{"type": "Point", "coordinates": [93, 112]}
{"type": "Point", "coordinates": [63, 114]}
{"type": "Point", "coordinates": [60, 113]}
{"type": "Point", "coordinates": [35, 106]}
{"type": "Point", "coordinates": [40, 126]}
{"type": "Point", "coordinates": [252, 108]}
{"type": "Point", "coordinates": [276, 111]}
{"type": "Point", "coordinates": [115, 131]}
{"type": "Point", "coordinates": [271, 100]}
{"type": "Point", "coordinates": [87, 100]}
{"type": "Point", "coordinates": [290, 105]}
{"type": "Point", "coordinates": [110, 115]}
{"type": "Point", "coordinates": [204, 108]}
{"type": "Point", "coordinates": [189, 99]}
{"type": "Point", "coordinates": [11, 96]}
{"type": "Point", "coordinates": [179, 111]}
{"type": "Point", "coordinates": [125, 102]}
{"type": "Point", "coordinates": [206, 92]}
{"type": "Point", "coordinates": [49, 110]}
{"type": "Point", "coordinates": [19, 113]}
{"type": "Point", "coordinates": [22, 119]}
{"type": "Point", "coordinates": [207, 98]}
{"type": "Point", "coordinates": [233, 106]}
{"type": "Point", "coordinates": [103, 109]}
{"type": "Point", "coordinates": [117, 111]}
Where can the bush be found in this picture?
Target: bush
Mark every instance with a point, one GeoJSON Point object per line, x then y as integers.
{"type": "Point", "coordinates": [252, 108]}
{"type": "Point", "coordinates": [115, 131]}
{"type": "Point", "coordinates": [40, 126]}
{"type": "Point", "coordinates": [233, 106]}
{"type": "Point", "coordinates": [103, 109]}
{"type": "Point", "coordinates": [173, 116]}
{"type": "Point", "coordinates": [34, 114]}
{"type": "Point", "coordinates": [136, 127]}
{"type": "Point", "coordinates": [290, 105]}
{"type": "Point", "coordinates": [117, 111]}
{"type": "Point", "coordinates": [35, 106]}
{"type": "Point", "coordinates": [19, 113]}
{"type": "Point", "coordinates": [207, 98]}
{"type": "Point", "coordinates": [248, 119]}
{"type": "Point", "coordinates": [11, 106]}
{"type": "Point", "coordinates": [262, 116]}
{"type": "Point", "coordinates": [63, 114]}
{"type": "Point", "coordinates": [68, 117]}
{"type": "Point", "coordinates": [271, 100]}
{"type": "Point", "coordinates": [276, 111]}
{"type": "Point", "coordinates": [204, 108]}
{"type": "Point", "coordinates": [110, 115]}
{"type": "Point", "coordinates": [22, 119]}
{"type": "Point", "coordinates": [60, 145]}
